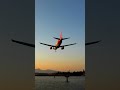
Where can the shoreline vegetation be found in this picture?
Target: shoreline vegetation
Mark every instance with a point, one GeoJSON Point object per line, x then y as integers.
{"type": "Point", "coordinates": [66, 74]}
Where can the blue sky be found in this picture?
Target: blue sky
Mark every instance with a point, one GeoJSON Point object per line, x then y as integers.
{"type": "Point", "coordinates": [53, 17]}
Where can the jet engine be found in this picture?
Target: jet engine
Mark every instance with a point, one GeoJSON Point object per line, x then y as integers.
{"type": "Point", "coordinates": [62, 48]}
{"type": "Point", "coordinates": [50, 47]}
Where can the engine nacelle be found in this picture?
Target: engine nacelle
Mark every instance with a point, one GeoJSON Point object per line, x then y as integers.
{"type": "Point", "coordinates": [62, 48]}
{"type": "Point", "coordinates": [50, 47]}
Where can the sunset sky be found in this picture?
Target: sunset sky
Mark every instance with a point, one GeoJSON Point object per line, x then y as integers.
{"type": "Point", "coordinates": [51, 18]}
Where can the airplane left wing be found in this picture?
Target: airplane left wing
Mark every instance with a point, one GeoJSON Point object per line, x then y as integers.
{"type": "Point", "coordinates": [68, 45]}
{"type": "Point", "coordinates": [23, 43]}
{"type": "Point", "coordinates": [47, 44]}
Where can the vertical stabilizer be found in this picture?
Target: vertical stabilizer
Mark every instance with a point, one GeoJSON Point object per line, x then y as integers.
{"type": "Point", "coordinates": [61, 35]}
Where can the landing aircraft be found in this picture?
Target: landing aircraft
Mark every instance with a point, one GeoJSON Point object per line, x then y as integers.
{"type": "Point", "coordinates": [58, 44]}
{"type": "Point", "coordinates": [54, 46]}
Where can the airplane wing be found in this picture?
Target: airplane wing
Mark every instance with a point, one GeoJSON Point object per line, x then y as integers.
{"type": "Point", "coordinates": [33, 45]}
{"type": "Point", "coordinates": [68, 45]}
{"type": "Point", "coordinates": [24, 43]}
{"type": "Point", "coordinates": [47, 44]}
{"type": "Point", "coordinates": [92, 42]}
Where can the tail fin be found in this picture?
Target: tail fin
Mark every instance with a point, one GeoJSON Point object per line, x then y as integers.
{"type": "Point", "coordinates": [61, 35]}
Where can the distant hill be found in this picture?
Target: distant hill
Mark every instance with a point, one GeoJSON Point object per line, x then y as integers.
{"type": "Point", "coordinates": [45, 71]}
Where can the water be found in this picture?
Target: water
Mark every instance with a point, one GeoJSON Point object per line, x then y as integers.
{"type": "Point", "coordinates": [59, 83]}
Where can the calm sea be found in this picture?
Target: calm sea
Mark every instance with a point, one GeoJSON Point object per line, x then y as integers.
{"type": "Point", "coordinates": [59, 83]}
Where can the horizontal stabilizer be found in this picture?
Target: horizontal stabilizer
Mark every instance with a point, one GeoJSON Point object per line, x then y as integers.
{"type": "Point", "coordinates": [56, 38]}
{"type": "Point", "coordinates": [65, 38]}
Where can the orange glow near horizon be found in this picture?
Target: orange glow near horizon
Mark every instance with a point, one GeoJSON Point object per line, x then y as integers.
{"type": "Point", "coordinates": [60, 65]}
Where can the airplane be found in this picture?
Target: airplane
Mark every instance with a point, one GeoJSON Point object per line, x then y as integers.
{"type": "Point", "coordinates": [52, 46]}
{"type": "Point", "coordinates": [58, 44]}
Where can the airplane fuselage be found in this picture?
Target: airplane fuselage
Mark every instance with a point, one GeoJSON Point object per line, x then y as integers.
{"type": "Point", "coordinates": [58, 43]}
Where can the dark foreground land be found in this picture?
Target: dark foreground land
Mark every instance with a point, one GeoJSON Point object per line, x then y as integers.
{"type": "Point", "coordinates": [59, 83]}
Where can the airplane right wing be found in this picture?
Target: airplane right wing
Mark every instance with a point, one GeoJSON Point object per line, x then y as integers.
{"type": "Point", "coordinates": [47, 44]}
{"type": "Point", "coordinates": [92, 42]}
{"type": "Point", "coordinates": [68, 45]}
